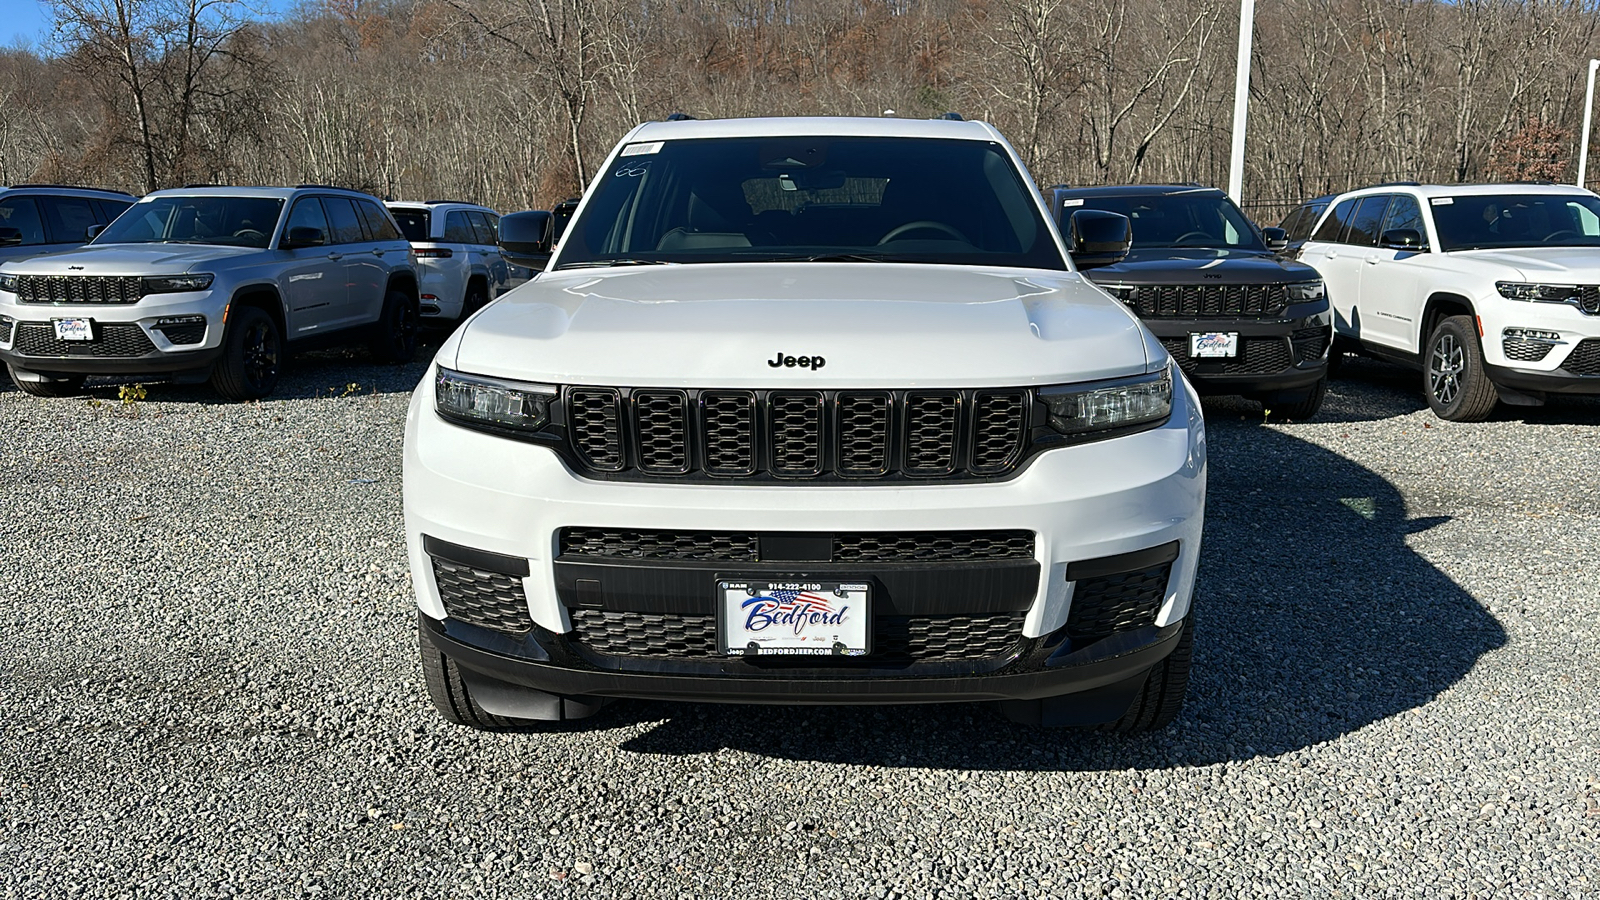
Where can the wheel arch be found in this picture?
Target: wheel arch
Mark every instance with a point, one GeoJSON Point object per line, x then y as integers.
{"type": "Point", "coordinates": [406, 283]}
{"type": "Point", "coordinates": [1439, 306]}
{"type": "Point", "coordinates": [264, 297]}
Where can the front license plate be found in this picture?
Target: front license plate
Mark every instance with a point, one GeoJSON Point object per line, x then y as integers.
{"type": "Point", "coordinates": [74, 329]}
{"type": "Point", "coordinates": [1214, 344]}
{"type": "Point", "coordinates": [793, 618]}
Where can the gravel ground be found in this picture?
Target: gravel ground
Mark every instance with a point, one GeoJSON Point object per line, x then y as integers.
{"type": "Point", "coordinates": [208, 688]}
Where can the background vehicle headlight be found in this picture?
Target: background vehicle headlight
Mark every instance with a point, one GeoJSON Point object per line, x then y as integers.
{"type": "Point", "coordinates": [172, 284]}
{"type": "Point", "coordinates": [1082, 409]}
{"type": "Point", "coordinates": [1301, 291]}
{"type": "Point", "coordinates": [474, 399]}
{"type": "Point", "coordinates": [8, 283]}
{"type": "Point", "coordinates": [1536, 293]}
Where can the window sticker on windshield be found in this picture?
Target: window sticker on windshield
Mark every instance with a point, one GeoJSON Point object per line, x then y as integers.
{"type": "Point", "coordinates": [642, 149]}
{"type": "Point", "coordinates": [632, 169]}
{"type": "Point", "coordinates": [1441, 201]}
{"type": "Point", "coordinates": [1077, 202]}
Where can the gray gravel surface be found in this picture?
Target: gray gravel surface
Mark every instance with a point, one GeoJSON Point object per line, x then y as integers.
{"type": "Point", "coordinates": [208, 687]}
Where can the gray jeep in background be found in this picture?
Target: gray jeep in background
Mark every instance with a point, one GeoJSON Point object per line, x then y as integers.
{"type": "Point", "coordinates": [212, 283]}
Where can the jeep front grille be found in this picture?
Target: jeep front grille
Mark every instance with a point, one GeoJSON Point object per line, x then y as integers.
{"type": "Point", "coordinates": [648, 433]}
{"type": "Point", "coordinates": [1190, 300]}
{"type": "Point", "coordinates": [1257, 356]}
{"type": "Point", "coordinates": [79, 289]}
{"type": "Point", "coordinates": [111, 340]}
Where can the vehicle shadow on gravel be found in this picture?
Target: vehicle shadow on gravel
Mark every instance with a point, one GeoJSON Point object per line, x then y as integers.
{"type": "Point", "coordinates": [1368, 390]}
{"type": "Point", "coordinates": [314, 375]}
{"type": "Point", "coordinates": [1314, 619]}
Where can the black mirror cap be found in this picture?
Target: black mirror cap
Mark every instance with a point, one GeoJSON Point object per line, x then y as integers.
{"type": "Point", "coordinates": [1402, 239]}
{"type": "Point", "coordinates": [1276, 239]}
{"type": "Point", "coordinates": [526, 238]}
{"type": "Point", "coordinates": [303, 236]}
{"type": "Point", "coordinates": [10, 237]}
{"type": "Point", "coordinates": [1098, 238]}
{"type": "Point", "coordinates": [562, 213]}
{"type": "Point", "coordinates": [92, 232]}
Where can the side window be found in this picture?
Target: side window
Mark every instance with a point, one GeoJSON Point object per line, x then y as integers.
{"type": "Point", "coordinates": [1333, 225]}
{"type": "Point", "coordinates": [346, 225]}
{"type": "Point", "coordinates": [307, 213]}
{"type": "Point", "coordinates": [457, 230]}
{"type": "Point", "coordinates": [69, 218]}
{"type": "Point", "coordinates": [1405, 212]}
{"type": "Point", "coordinates": [486, 230]}
{"type": "Point", "coordinates": [378, 224]}
{"type": "Point", "coordinates": [1368, 219]}
{"type": "Point", "coordinates": [22, 214]}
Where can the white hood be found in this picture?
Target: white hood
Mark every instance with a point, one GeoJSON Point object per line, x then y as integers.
{"type": "Point", "coordinates": [874, 325]}
{"type": "Point", "coordinates": [1554, 265]}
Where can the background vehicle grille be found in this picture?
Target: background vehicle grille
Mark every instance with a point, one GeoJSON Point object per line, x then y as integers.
{"type": "Point", "coordinates": [651, 433]}
{"type": "Point", "coordinates": [1584, 358]}
{"type": "Point", "coordinates": [1105, 605]}
{"type": "Point", "coordinates": [490, 600]}
{"type": "Point", "coordinates": [883, 546]}
{"type": "Point", "coordinates": [1524, 350]}
{"type": "Point", "coordinates": [1257, 356]}
{"type": "Point", "coordinates": [111, 340]}
{"type": "Point", "coordinates": [1175, 300]}
{"type": "Point", "coordinates": [79, 289]}
{"type": "Point", "coordinates": [896, 640]}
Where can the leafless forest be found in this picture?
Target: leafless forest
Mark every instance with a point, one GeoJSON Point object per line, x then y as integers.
{"type": "Point", "coordinates": [513, 102]}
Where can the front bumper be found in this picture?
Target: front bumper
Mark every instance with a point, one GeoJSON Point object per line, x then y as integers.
{"type": "Point", "coordinates": [1276, 353]}
{"type": "Point", "coordinates": [162, 334]}
{"type": "Point", "coordinates": [496, 508]}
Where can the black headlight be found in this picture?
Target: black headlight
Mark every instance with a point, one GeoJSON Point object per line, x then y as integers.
{"type": "Point", "coordinates": [492, 402]}
{"type": "Point", "coordinates": [174, 284]}
{"type": "Point", "coordinates": [8, 283]}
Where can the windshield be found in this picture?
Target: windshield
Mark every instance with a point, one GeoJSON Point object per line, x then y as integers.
{"type": "Point", "coordinates": [812, 198]}
{"type": "Point", "coordinates": [1203, 219]}
{"type": "Point", "coordinates": [1516, 220]}
{"type": "Point", "coordinates": [229, 221]}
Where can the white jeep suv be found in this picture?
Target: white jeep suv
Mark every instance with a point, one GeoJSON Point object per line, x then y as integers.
{"type": "Point", "coordinates": [457, 253]}
{"type": "Point", "coordinates": [1491, 290]}
{"type": "Point", "coordinates": [807, 411]}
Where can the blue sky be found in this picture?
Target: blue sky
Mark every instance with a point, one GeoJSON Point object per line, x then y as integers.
{"type": "Point", "coordinates": [27, 22]}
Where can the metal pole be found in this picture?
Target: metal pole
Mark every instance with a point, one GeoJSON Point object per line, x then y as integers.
{"type": "Point", "coordinates": [1588, 108]}
{"type": "Point", "coordinates": [1241, 97]}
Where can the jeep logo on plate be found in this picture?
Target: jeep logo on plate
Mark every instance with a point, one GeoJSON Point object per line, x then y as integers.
{"type": "Point", "coordinates": [789, 362]}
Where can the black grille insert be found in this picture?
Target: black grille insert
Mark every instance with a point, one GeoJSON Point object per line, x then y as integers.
{"type": "Point", "coordinates": [796, 421]}
{"type": "Point", "coordinates": [79, 289]}
{"type": "Point", "coordinates": [1179, 300]}
{"type": "Point", "coordinates": [1584, 358]}
{"type": "Point", "coordinates": [112, 340]}
{"type": "Point", "coordinates": [608, 543]}
{"type": "Point", "coordinates": [1524, 350]}
{"type": "Point", "coordinates": [662, 424]}
{"type": "Point", "coordinates": [492, 600]}
{"type": "Point", "coordinates": [1589, 298]}
{"type": "Point", "coordinates": [1257, 356]}
{"type": "Point", "coordinates": [596, 427]}
{"type": "Point", "coordinates": [1106, 604]}
{"type": "Point", "coordinates": [1311, 343]}
{"type": "Point", "coordinates": [855, 546]}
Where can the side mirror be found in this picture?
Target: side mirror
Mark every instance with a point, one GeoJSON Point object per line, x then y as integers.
{"type": "Point", "coordinates": [93, 231]}
{"type": "Point", "coordinates": [526, 238]}
{"type": "Point", "coordinates": [303, 236]}
{"type": "Point", "coordinates": [1275, 238]}
{"type": "Point", "coordinates": [1098, 238]}
{"type": "Point", "coordinates": [562, 214]}
{"type": "Point", "coordinates": [1402, 239]}
{"type": "Point", "coordinates": [10, 237]}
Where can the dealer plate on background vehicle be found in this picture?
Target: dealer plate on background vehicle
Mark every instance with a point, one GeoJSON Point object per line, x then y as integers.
{"type": "Point", "coordinates": [74, 329]}
{"type": "Point", "coordinates": [1214, 344]}
{"type": "Point", "coordinates": [793, 618]}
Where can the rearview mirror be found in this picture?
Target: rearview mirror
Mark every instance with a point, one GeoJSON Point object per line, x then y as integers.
{"type": "Point", "coordinates": [303, 236]}
{"type": "Point", "coordinates": [1275, 238]}
{"type": "Point", "coordinates": [10, 237]}
{"type": "Point", "coordinates": [1098, 238]}
{"type": "Point", "coordinates": [1402, 239]}
{"type": "Point", "coordinates": [526, 238]}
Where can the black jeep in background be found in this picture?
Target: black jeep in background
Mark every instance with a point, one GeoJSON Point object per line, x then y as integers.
{"type": "Point", "coordinates": [1237, 317]}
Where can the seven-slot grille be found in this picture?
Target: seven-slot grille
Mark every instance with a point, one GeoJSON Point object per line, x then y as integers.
{"type": "Point", "coordinates": [79, 289]}
{"type": "Point", "coordinates": [1172, 300]}
{"type": "Point", "coordinates": [649, 433]}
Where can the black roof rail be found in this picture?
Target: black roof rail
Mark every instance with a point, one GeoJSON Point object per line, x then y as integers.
{"type": "Point", "coordinates": [951, 117]}
{"type": "Point", "coordinates": [1063, 186]}
{"type": "Point", "coordinates": [462, 202]}
{"type": "Point", "coordinates": [326, 187]}
{"type": "Point", "coordinates": [679, 117]}
{"type": "Point", "coordinates": [71, 187]}
{"type": "Point", "coordinates": [1397, 184]}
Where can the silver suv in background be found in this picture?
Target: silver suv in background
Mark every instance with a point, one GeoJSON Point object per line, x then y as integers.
{"type": "Point", "coordinates": [215, 283]}
{"type": "Point", "coordinates": [457, 253]}
{"type": "Point", "coordinates": [37, 219]}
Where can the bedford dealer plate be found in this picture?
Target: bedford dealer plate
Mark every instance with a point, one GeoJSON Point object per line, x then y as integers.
{"type": "Point", "coordinates": [1214, 344]}
{"type": "Point", "coordinates": [74, 329]}
{"type": "Point", "coordinates": [784, 618]}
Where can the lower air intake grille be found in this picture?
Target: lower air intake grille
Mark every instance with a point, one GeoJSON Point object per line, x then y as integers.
{"type": "Point", "coordinates": [1311, 343]}
{"type": "Point", "coordinates": [487, 599]}
{"type": "Point", "coordinates": [1524, 350]}
{"type": "Point", "coordinates": [183, 334]}
{"type": "Point", "coordinates": [855, 546]}
{"type": "Point", "coordinates": [617, 544]}
{"type": "Point", "coordinates": [1105, 605]}
{"type": "Point", "coordinates": [1584, 358]}
{"type": "Point", "coordinates": [1257, 356]}
{"type": "Point", "coordinates": [112, 340]}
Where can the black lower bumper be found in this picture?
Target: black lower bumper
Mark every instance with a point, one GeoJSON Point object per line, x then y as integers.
{"type": "Point", "coordinates": [150, 364]}
{"type": "Point", "coordinates": [1276, 353]}
{"type": "Point", "coordinates": [1559, 381]}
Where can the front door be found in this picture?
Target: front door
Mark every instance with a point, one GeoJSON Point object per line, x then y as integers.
{"type": "Point", "coordinates": [1392, 280]}
{"type": "Point", "coordinates": [313, 276]}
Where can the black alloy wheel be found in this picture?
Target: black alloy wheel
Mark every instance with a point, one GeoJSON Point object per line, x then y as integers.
{"type": "Point", "coordinates": [394, 339]}
{"type": "Point", "coordinates": [252, 357]}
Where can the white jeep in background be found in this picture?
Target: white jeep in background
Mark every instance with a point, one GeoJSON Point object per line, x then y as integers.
{"type": "Point", "coordinates": [455, 247]}
{"type": "Point", "coordinates": [807, 411]}
{"type": "Point", "coordinates": [1491, 290]}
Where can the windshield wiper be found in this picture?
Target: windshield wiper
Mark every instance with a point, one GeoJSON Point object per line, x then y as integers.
{"type": "Point", "coordinates": [824, 257]}
{"type": "Point", "coordinates": [605, 263]}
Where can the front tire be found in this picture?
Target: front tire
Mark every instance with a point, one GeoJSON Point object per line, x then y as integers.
{"type": "Point", "coordinates": [252, 356]}
{"type": "Point", "coordinates": [449, 692]}
{"type": "Point", "coordinates": [1159, 703]}
{"type": "Point", "coordinates": [394, 339]}
{"type": "Point", "coordinates": [1298, 406]}
{"type": "Point", "coordinates": [47, 385]}
{"type": "Point", "coordinates": [477, 298]}
{"type": "Point", "coordinates": [1453, 377]}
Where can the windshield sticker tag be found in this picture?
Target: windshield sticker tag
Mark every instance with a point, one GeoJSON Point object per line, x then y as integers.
{"type": "Point", "coordinates": [642, 149]}
{"type": "Point", "coordinates": [632, 169]}
{"type": "Point", "coordinates": [1442, 201]}
{"type": "Point", "coordinates": [1077, 202]}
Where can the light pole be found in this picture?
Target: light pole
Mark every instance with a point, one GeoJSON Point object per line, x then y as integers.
{"type": "Point", "coordinates": [1241, 98]}
{"type": "Point", "coordinates": [1588, 107]}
